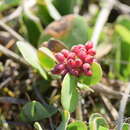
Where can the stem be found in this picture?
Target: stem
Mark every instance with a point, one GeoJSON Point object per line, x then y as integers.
{"type": "Point", "coordinates": [101, 20]}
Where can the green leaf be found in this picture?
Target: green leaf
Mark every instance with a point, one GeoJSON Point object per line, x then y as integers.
{"type": "Point", "coordinates": [46, 58]}
{"type": "Point", "coordinates": [96, 121]}
{"type": "Point", "coordinates": [46, 11]}
{"type": "Point", "coordinates": [77, 125]}
{"type": "Point", "coordinates": [37, 126]}
{"type": "Point", "coordinates": [33, 27]}
{"type": "Point", "coordinates": [95, 78]}
{"type": "Point", "coordinates": [69, 94]}
{"type": "Point", "coordinates": [30, 55]}
{"type": "Point", "coordinates": [65, 120]}
{"type": "Point", "coordinates": [72, 30]}
{"type": "Point", "coordinates": [123, 32]}
{"type": "Point", "coordinates": [68, 7]}
{"type": "Point", "coordinates": [34, 111]}
{"type": "Point", "coordinates": [126, 126]}
{"type": "Point", "coordinates": [7, 4]}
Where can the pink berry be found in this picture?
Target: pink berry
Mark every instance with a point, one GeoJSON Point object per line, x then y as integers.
{"type": "Point", "coordinates": [71, 55]}
{"type": "Point", "coordinates": [82, 55]}
{"type": "Point", "coordinates": [64, 72]}
{"type": "Point", "coordinates": [81, 46]}
{"type": "Point", "coordinates": [65, 53]}
{"type": "Point", "coordinates": [88, 73]}
{"type": "Point", "coordinates": [60, 57]}
{"type": "Point", "coordinates": [60, 66]}
{"type": "Point", "coordinates": [86, 66]}
{"type": "Point", "coordinates": [89, 59]}
{"type": "Point", "coordinates": [74, 72]}
{"type": "Point", "coordinates": [89, 45]}
{"type": "Point", "coordinates": [71, 63]}
{"type": "Point", "coordinates": [75, 49]}
{"type": "Point", "coordinates": [78, 62]}
{"type": "Point", "coordinates": [91, 52]}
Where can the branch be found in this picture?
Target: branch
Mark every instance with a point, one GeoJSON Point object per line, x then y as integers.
{"type": "Point", "coordinates": [101, 20]}
{"type": "Point", "coordinates": [11, 54]}
{"type": "Point", "coordinates": [123, 106]}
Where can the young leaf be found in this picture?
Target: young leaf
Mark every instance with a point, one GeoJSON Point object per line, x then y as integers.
{"type": "Point", "coordinates": [77, 125]}
{"type": "Point", "coordinates": [103, 128]}
{"type": "Point", "coordinates": [34, 111]}
{"type": "Point", "coordinates": [30, 55]}
{"type": "Point", "coordinates": [96, 121]}
{"type": "Point", "coordinates": [65, 120]}
{"type": "Point", "coordinates": [46, 58]}
{"type": "Point", "coordinates": [69, 94]}
{"type": "Point", "coordinates": [95, 78]}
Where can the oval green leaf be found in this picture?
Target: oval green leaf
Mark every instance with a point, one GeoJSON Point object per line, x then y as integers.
{"type": "Point", "coordinates": [95, 78]}
{"type": "Point", "coordinates": [34, 111]}
{"type": "Point", "coordinates": [30, 55]}
{"type": "Point", "coordinates": [46, 58]}
{"type": "Point", "coordinates": [69, 94]}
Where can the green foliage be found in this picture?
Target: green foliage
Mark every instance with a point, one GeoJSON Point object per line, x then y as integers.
{"type": "Point", "coordinates": [97, 122]}
{"type": "Point", "coordinates": [126, 126]}
{"type": "Point", "coordinates": [34, 111]}
{"type": "Point", "coordinates": [30, 55]}
{"type": "Point", "coordinates": [122, 29]}
{"type": "Point", "coordinates": [46, 58]}
{"type": "Point", "coordinates": [33, 28]}
{"type": "Point", "coordinates": [65, 120]}
{"type": "Point", "coordinates": [77, 125]}
{"type": "Point", "coordinates": [7, 4]}
{"type": "Point", "coordinates": [67, 5]}
{"type": "Point", "coordinates": [69, 94]}
{"type": "Point", "coordinates": [95, 78]}
{"type": "Point", "coordinates": [46, 11]}
{"type": "Point", "coordinates": [72, 30]}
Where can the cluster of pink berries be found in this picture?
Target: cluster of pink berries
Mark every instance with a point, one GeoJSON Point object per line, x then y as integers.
{"type": "Point", "coordinates": [76, 61]}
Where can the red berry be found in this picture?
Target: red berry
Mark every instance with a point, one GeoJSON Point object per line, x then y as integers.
{"type": "Point", "coordinates": [71, 63]}
{"type": "Point", "coordinates": [74, 72]}
{"type": "Point", "coordinates": [86, 66]}
{"type": "Point", "coordinates": [81, 46]}
{"type": "Point", "coordinates": [88, 73]}
{"type": "Point", "coordinates": [82, 55]}
{"type": "Point", "coordinates": [60, 57]}
{"type": "Point", "coordinates": [89, 45]}
{"type": "Point", "coordinates": [71, 55]}
{"type": "Point", "coordinates": [78, 62]}
{"type": "Point", "coordinates": [60, 66]}
{"type": "Point", "coordinates": [89, 59]}
{"type": "Point", "coordinates": [75, 49]}
{"type": "Point", "coordinates": [91, 52]}
{"type": "Point", "coordinates": [65, 53]}
{"type": "Point", "coordinates": [64, 72]}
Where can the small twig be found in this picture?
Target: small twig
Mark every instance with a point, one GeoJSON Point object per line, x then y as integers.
{"type": "Point", "coordinates": [11, 54]}
{"type": "Point", "coordinates": [101, 88]}
{"type": "Point", "coordinates": [11, 31]}
{"type": "Point", "coordinates": [122, 107]}
{"type": "Point", "coordinates": [12, 100]}
{"type": "Point", "coordinates": [123, 7]}
{"type": "Point", "coordinates": [101, 20]}
{"type": "Point", "coordinates": [110, 107]}
{"type": "Point", "coordinates": [5, 82]}
{"type": "Point", "coordinates": [13, 15]}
